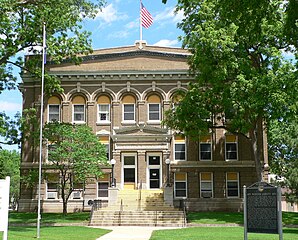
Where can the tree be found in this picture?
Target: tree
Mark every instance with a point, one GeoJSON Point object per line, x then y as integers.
{"type": "Point", "coordinates": [21, 23]}
{"type": "Point", "coordinates": [10, 166]}
{"type": "Point", "coordinates": [241, 74]}
{"type": "Point", "coordinates": [283, 155]}
{"type": "Point", "coordinates": [76, 153]}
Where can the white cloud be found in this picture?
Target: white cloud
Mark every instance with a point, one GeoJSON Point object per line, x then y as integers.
{"type": "Point", "coordinates": [119, 35]}
{"type": "Point", "coordinates": [169, 15]}
{"type": "Point", "coordinates": [10, 106]}
{"type": "Point", "coordinates": [166, 43]}
{"type": "Point", "coordinates": [109, 14]}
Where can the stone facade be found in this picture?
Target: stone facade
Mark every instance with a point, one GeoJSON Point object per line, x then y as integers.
{"type": "Point", "coordinates": [123, 93]}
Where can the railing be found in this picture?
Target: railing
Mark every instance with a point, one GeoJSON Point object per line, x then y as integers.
{"type": "Point", "coordinates": [140, 196]}
{"type": "Point", "coordinates": [184, 212]}
{"type": "Point", "coordinates": [95, 205]}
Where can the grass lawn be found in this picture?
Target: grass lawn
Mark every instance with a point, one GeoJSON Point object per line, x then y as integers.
{"type": "Point", "coordinates": [233, 217]}
{"type": "Point", "coordinates": [219, 233]}
{"type": "Point", "coordinates": [55, 233]}
{"type": "Point", "coordinates": [15, 217]}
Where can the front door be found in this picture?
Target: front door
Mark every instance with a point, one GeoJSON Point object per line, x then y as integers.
{"type": "Point", "coordinates": [129, 171]}
{"type": "Point", "coordinates": [154, 170]}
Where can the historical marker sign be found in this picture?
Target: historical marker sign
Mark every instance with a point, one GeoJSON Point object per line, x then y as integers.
{"type": "Point", "coordinates": [262, 211]}
{"type": "Point", "coordinates": [4, 202]}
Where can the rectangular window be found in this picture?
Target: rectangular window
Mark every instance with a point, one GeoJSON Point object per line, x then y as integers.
{"type": "Point", "coordinates": [54, 112]}
{"type": "Point", "coordinates": [232, 185]}
{"type": "Point", "coordinates": [180, 185]}
{"type": "Point", "coordinates": [77, 191]}
{"type": "Point", "coordinates": [103, 112]}
{"type": "Point", "coordinates": [128, 112]}
{"type": "Point", "coordinates": [52, 190]}
{"type": "Point", "coordinates": [180, 151]}
{"type": "Point", "coordinates": [231, 147]}
{"type": "Point", "coordinates": [154, 112]}
{"type": "Point", "coordinates": [206, 183]}
{"type": "Point", "coordinates": [103, 189]}
{"type": "Point", "coordinates": [79, 113]}
{"type": "Point", "coordinates": [205, 148]}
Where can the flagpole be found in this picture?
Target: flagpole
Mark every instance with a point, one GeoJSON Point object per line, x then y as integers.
{"type": "Point", "coordinates": [141, 29]}
{"type": "Point", "coordinates": [40, 130]}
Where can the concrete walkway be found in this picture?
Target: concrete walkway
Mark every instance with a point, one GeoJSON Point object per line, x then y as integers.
{"type": "Point", "coordinates": [130, 233]}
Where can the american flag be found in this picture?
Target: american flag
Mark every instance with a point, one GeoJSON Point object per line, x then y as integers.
{"type": "Point", "coordinates": [146, 17]}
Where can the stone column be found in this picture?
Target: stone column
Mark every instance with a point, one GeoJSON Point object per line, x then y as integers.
{"type": "Point", "coordinates": [142, 170]}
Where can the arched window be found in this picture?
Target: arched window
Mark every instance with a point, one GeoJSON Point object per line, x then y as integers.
{"type": "Point", "coordinates": [54, 105]}
{"type": "Point", "coordinates": [129, 103]}
{"type": "Point", "coordinates": [79, 112]}
{"type": "Point", "coordinates": [103, 109]}
{"type": "Point", "coordinates": [154, 108]}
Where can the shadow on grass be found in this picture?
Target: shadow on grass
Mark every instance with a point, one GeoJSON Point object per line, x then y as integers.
{"type": "Point", "coordinates": [215, 217]}
{"type": "Point", "coordinates": [291, 230]}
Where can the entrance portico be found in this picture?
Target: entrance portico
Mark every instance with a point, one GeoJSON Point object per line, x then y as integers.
{"type": "Point", "coordinates": [139, 154]}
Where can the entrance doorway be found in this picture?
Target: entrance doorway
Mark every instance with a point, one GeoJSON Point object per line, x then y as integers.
{"type": "Point", "coordinates": [154, 171]}
{"type": "Point", "coordinates": [129, 171]}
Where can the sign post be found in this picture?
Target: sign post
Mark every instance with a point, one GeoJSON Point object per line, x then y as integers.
{"type": "Point", "coordinates": [262, 209]}
{"type": "Point", "coordinates": [4, 204]}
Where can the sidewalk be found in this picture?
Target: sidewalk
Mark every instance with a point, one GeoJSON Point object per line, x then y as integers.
{"type": "Point", "coordinates": [130, 233]}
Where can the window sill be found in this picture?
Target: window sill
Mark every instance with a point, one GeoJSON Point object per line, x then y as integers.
{"type": "Point", "coordinates": [232, 160]}
{"type": "Point", "coordinates": [128, 122]}
{"type": "Point", "coordinates": [101, 123]}
{"type": "Point", "coordinates": [79, 122]}
{"type": "Point", "coordinates": [154, 122]}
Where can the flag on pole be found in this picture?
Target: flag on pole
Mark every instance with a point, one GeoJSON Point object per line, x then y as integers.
{"type": "Point", "coordinates": [146, 17]}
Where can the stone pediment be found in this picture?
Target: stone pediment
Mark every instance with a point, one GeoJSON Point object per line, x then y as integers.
{"type": "Point", "coordinates": [141, 134]}
{"type": "Point", "coordinates": [141, 129]}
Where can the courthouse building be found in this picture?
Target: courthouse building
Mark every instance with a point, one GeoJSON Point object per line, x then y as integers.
{"type": "Point", "coordinates": [123, 94]}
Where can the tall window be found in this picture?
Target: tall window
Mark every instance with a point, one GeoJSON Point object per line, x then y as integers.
{"type": "Point", "coordinates": [103, 108]}
{"type": "Point", "coordinates": [103, 187]}
{"type": "Point", "coordinates": [154, 108]}
{"type": "Point", "coordinates": [78, 189]}
{"type": "Point", "coordinates": [52, 186]}
{"type": "Point", "coordinates": [54, 109]}
{"type": "Point", "coordinates": [231, 147]}
{"type": "Point", "coordinates": [128, 108]}
{"type": "Point", "coordinates": [206, 183]}
{"type": "Point", "coordinates": [180, 148]}
{"type": "Point", "coordinates": [79, 110]}
{"type": "Point", "coordinates": [205, 148]}
{"type": "Point", "coordinates": [180, 185]}
{"type": "Point", "coordinates": [232, 184]}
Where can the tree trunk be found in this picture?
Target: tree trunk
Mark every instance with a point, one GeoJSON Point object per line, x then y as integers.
{"type": "Point", "coordinates": [256, 147]}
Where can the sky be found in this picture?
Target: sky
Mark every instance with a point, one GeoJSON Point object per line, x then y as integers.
{"type": "Point", "coordinates": [117, 24]}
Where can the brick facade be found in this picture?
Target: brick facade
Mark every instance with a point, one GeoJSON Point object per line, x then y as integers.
{"type": "Point", "coordinates": [144, 81]}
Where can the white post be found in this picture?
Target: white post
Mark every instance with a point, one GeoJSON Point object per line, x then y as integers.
{"type": "Point", "coordinates": [245, 212]}
{"type": "Point", "coordinates": [40, 130]}
{"type": "Point", "coordinates": [141, 28]}
{"type": "Point", "coordinates": [4, 205]}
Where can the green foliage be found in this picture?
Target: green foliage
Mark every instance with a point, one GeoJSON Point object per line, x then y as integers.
{"type": "Point", "coordinates": [283, 153]}
{"type": "Point", "coordinates": [21, 24]}
{"type": "Point", "coordinates": [75, 152]}
{"type": "Point", "coordinates": [237, 60]}
{"type": "Point", "coordinates": [10, 166]}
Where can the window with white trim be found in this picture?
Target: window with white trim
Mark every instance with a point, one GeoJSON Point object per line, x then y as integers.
{"type": "Point", "coordinates": [154, 112]}
{"type": "Point", "coordinates": [232, 184]}
{"type": "Point", "coordinates": [180, 148]}
{"type": "Point", "coordinates": [78, 110]}
{"type": "Point", "coordinates": [54, 109]}
{"type": "Point", "coordinates": [103, 185]}
{"type": "Point", "coordinates": [206, 185]}
{"type": "Point", "coordinates": [103, 109]}
{"type": "Point", "coordinates": [103, 112]}
{"type": "Point", "coordinates": [128, 109]}
{"type": "Point", "coordinates": [128, 112]}
{"type": "Point", "coordinates": [231, 147]}
{"type": "Point", "coordinates": [180, 186]}
{"type": "Point", "coordinates": [52, 190]}
{"type": "Point", "coordinates": [54, 113]}
{"type": "Point", "coordinates": [77, 191]}
{"type": "Point", "coordinates": [105, 140]}
{"type": "Point", "coordinates": [205, 148]}
{"type": "Point", "coordinates": [78, 113]}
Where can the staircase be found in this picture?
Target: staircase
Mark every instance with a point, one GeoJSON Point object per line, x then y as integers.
{"type": "Point", "coordinates": [139, 208]}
